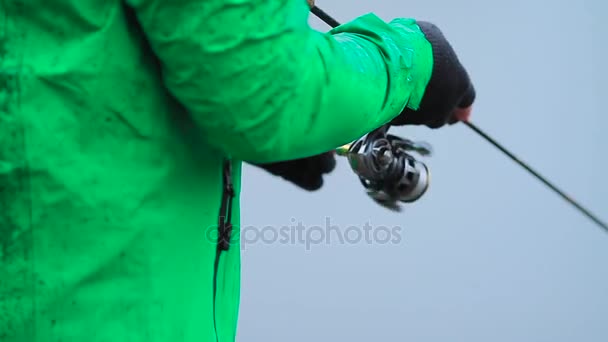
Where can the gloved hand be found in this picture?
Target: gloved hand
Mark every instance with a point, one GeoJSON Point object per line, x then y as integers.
{"type": "Point", "coordinates": [306, 173]}
{"type": "Point", "coordinates": [449, 94]}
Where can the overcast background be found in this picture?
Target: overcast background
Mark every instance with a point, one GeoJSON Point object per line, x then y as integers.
{"type": "Point", "coordinates": [488, 254]}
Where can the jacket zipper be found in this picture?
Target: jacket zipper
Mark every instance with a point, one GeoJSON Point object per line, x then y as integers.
{"type": "Point", "coordinates": [224, 230]}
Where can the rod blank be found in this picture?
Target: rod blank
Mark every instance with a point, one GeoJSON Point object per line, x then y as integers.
{"type": "Point", "coordinates": [538, 176]}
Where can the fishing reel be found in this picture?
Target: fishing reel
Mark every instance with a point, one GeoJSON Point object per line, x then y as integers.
{"type": "Point", "coordinates": [386, 169]}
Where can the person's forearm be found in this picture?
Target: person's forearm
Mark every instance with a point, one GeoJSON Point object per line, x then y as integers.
{"type": "Point", "coordinates": [263, 86]}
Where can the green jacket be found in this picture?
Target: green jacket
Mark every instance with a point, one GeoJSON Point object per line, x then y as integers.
{"type": "Point", "coordinates": [115, 117]}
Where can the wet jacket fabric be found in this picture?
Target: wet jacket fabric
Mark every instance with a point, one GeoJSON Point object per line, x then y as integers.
{"type": "Point", "coordinates": [115, 117]}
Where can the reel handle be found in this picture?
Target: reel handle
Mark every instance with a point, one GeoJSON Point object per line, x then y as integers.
{"type": "Point", "coordinates": [386, 169]}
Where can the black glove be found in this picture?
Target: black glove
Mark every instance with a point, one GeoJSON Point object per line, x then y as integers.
{"type": "Point", "coordinates": [449, 87]}
{"type": "Point", "coordinates": [307, 173]}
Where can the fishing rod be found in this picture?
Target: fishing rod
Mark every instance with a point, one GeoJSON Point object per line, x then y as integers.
{"type": "Point", "coordinates": [390, 174]}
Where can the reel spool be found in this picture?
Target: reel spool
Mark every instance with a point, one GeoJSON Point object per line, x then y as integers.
{"type": "Point", "coordinates": [389, 174]}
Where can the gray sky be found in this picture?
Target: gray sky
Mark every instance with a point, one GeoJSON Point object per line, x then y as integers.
{"type": "Point", "coordinates": [488, 254]}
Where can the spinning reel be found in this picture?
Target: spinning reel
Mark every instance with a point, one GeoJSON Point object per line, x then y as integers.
{"type": "Point", "coordinates": [386, 169]}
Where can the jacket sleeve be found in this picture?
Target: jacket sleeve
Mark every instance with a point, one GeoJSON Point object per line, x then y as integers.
{"type": "Point", "coordinates": [263, 86]}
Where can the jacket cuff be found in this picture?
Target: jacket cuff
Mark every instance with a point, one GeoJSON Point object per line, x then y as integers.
{"type": "Point", "coordinates": [406, 53]}
{"type": "Point", "coordinates": [417, 54]}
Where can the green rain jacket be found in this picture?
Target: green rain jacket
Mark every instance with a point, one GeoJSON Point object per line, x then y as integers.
{"type": "Point", "coordinates": [115, 117]}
